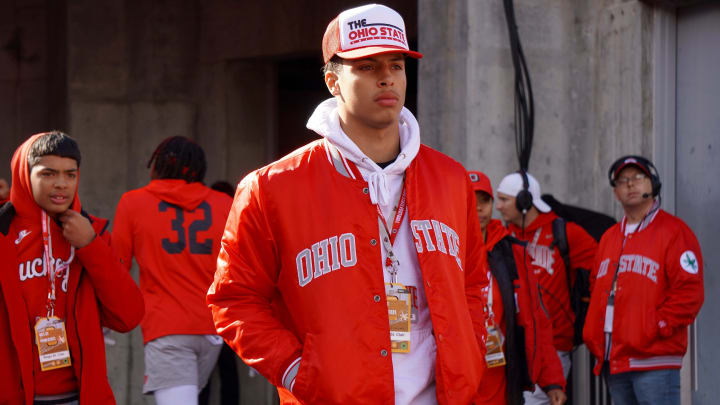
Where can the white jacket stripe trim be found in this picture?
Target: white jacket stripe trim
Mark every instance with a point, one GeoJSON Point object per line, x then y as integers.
{"type": "Point", "coordinates": [337, 161]}
{"type": "Point", "coordinates": [657, 361]}
{"type": "Point", "coordinates": [347, 166]}
{"type": "Point", "coordinates": [288, 379]}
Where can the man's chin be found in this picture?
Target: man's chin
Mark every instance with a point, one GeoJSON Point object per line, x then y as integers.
{"type": "Point", "coordinates": [55, 210]}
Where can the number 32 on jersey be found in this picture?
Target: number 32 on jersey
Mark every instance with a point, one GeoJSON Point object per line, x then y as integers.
{"type": "Point", "coordinates": [188, 236]}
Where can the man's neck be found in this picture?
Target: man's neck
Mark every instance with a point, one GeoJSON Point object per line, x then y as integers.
{"type": "Point", "coordinates": [530, 216]}
{"type": "Point", "coordinates": [380, 145]}
{"type": "Point", "coordinates": [635, 214]}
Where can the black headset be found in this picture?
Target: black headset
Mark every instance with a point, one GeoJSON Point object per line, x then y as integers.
{"type": "Point", "coordinates": [524, 199]}
{"type": "Point", "coordinates": [643, 163]}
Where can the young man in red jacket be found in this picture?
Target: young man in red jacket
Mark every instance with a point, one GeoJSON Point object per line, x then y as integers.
{"type": "Point", "coordinates": [60, 283]}
{"type": "Point", "coordinates": [536, 227]}
{"type": "Point", "coordinates": [514, 312]}
{"type": "Point", "coordinates": [349, 268]}
{"type": "Point", "coordinates": [173, 227]}
{"type": "Point", "coordinates": [646, 288]}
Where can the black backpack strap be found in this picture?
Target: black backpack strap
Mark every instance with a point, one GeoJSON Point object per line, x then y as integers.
{"type": "Point", "coordinates": [560, 240]}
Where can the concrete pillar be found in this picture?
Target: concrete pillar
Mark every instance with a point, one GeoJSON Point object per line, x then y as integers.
{"type": "Point", "coordinates": [31, 73]}
{"type": "Point", "coordinates": [590, 63]}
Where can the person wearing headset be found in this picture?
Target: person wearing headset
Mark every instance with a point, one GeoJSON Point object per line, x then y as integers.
{"type": "Point", "coordinates": [646, 288]}
{"type": "Point", "coordinates": [519, 334]}
{"type": "Point", "coordinates": [530, 219]}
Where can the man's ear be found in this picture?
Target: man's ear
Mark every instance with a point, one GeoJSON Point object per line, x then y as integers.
{"type": "Point", "coordinates": [331, 81]}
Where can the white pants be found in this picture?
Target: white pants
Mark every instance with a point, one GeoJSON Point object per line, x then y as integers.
{"type": "Point", "coordinates": [538, 397]}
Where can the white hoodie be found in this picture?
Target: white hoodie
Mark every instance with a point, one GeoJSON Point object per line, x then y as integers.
{"type": "Point", "coordinates": [414, 372]}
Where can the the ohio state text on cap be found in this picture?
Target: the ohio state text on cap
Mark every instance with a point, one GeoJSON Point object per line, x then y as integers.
{"type": "Point", "coordinates": [365, 31]}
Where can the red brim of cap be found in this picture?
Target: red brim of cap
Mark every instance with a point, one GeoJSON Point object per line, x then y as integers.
{"type": "Point", "coordinates": [360, 53]}
{"type": "Point", "coordinates": [624, 165]}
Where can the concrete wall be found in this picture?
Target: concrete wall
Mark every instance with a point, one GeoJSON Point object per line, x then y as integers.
{"type": "Point", "coordinates": [590, 63]}
{"type": "Point", "coordinates": [32, 69]}
{"type": "Point", "coordinates": [698, 126]}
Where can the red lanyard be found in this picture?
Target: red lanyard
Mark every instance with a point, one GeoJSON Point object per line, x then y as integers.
{"type": "Point", "coordinates": [49, 263]}
{"type": "Point", "coordinates": [391, 262]}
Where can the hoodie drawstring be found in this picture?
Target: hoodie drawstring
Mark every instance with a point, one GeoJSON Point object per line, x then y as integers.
{"type": "Point", "coordinates": [378, 187]}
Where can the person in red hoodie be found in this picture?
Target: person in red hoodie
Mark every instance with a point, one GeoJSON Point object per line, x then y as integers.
{"type": "Point", "coordinates": [535, 227]}
{"type": "Point", "coordinates": [60, 283]}
{"type": "Point", "coordinates": [173, 227]}
{"type": "Point", "coordinates": [526, 354]}
{"type": "Point", "coordinates": [646, 288]}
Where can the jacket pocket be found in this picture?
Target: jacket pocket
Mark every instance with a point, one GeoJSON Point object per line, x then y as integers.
{"type": "Point", "coordinates": [307, 372]}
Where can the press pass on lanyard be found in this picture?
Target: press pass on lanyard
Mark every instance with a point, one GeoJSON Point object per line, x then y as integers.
{"type": "Point", "coordinates": [50, 333]}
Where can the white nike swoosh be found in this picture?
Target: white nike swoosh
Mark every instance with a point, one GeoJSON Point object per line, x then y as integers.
{"type": "Point", "coordinates": [22, 236]}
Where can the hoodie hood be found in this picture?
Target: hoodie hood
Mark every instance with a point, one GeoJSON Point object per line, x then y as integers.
{"type": "Point", "coordinates": [326, 122]}
{"type": "Point", "coordinates": [21, 194]}
{"type": "Point", "coordinates": [178, 192]}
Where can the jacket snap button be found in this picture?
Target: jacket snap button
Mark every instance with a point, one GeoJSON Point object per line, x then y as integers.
{"type": "Point", "coordinates": [376, 298]}
{"type": "Point", "coordinates": [365, 190]}
{"type": "Point", "coordinates": [373, 242]}
{"type": "Point", "coordinates": [383, 352]}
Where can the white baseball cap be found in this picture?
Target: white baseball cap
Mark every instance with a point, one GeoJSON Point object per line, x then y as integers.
{"type": "Point", "coordinates": [513, 183]}
{"type": "Point", "coordinates": [364, 31]}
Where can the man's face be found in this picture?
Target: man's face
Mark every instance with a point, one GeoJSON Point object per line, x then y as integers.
{"type": "Point", "coordinates": [54, 180]}
{"type": "Point", "coordinates": [371, 91]}
{"type": "Point", "coordinates": [484, 207]}
{"type": "Point", "coordinates": [505, 204]}
{"type": "Point", "coordinates": [630, 185]}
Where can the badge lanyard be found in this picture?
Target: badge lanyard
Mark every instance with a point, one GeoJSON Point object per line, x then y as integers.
{"type": "Point", "coordinates": [494, 355]}
{"type": "Point", "coordinates": [610, 306]}
{"type": "Point", "coordinates": [50, 335]}
{"type": "Point", "coordinates": [399, 298]}
{"type": "Point", "coordinates": [392, 264]}
{"type": "Point", "coordinates": [491, 314]}
{"type": "Point", "coordinates": [49, 263]}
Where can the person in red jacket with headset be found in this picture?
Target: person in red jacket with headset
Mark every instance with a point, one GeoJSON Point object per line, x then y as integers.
{"type": "Point", "coordinates": [520, 348]}
{"type": "Point", "coordinates": [535, 226]}
{"type": "Point", "coordinates": [350, 270]}
{"type": "Point", "coordinates": [646, 288]}
{"type": "Point", "coordinates": [60, 283]}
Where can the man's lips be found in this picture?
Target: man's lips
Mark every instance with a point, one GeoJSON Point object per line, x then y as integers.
{"type": "Point", "coordinates": [58, 199]}
{"type": "Point", "coordinates": [387, 99]}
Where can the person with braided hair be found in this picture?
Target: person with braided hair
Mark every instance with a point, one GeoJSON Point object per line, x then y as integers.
{"type": "Point", "coordinates": [173, 227]}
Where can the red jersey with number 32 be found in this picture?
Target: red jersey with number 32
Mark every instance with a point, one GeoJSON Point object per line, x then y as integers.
{"type": "Point", "coordinates": [173, 229]}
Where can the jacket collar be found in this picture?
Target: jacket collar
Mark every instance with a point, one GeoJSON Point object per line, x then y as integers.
{"type": "Point", "coordinates": [325, 121]}
{"type": "Point", "coordinates": [646, 221]}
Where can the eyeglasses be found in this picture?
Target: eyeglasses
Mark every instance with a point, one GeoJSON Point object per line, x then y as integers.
{"type": "Point", "coordinates": [624, 181]}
